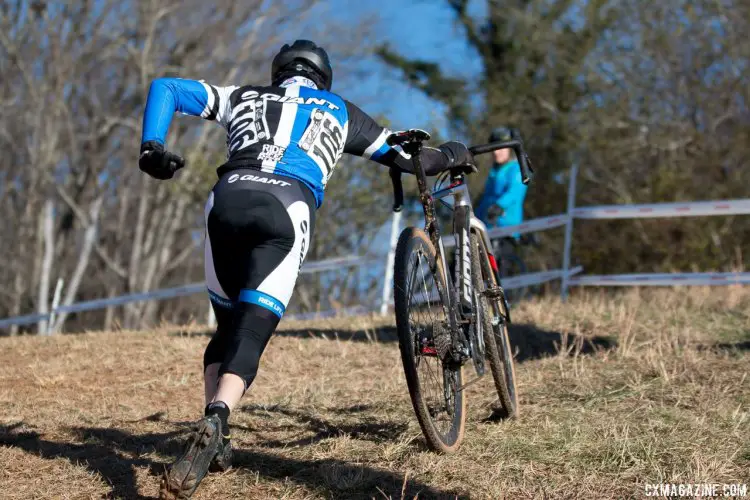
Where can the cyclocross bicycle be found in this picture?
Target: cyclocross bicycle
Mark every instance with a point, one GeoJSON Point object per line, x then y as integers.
{"type": "Point", "coordinates": [445, 320]}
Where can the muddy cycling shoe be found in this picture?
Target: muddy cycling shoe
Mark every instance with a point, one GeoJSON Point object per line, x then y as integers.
{"type": "Point", "coordinates": [222, 462]}
{"type": "Point", "coordinates": [184, 476]}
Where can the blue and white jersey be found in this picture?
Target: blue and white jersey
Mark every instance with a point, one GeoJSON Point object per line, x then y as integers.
{"type": "Point", "coordinates": [293, 130]}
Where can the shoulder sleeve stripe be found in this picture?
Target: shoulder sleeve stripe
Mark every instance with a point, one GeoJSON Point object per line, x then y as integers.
{"type": "Point", "coordinates": [212, 104]}
{"type": "Point", "coordinates": [215, 108]}
{"type": "Point", "coordinates": [377, 145]}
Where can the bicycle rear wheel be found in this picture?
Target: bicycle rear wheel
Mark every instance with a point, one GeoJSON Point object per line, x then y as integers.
{"type": "Point", "coordinates": [424, 331]}
{"type": "Point", "coordinates": [494, 319]}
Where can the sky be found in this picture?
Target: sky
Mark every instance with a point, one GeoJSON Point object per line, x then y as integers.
{"type": "Point", "coordinates": [421, 28]}
{"type": "Point", "coordinates": [416, 28]}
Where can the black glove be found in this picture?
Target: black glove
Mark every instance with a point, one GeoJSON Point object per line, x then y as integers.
{"type": "Point", "coordinates": [459, 156]}
{"type": "Point", "coordinates": [157, 162]}
{"type": "Point", "coordinates": [495, 211]}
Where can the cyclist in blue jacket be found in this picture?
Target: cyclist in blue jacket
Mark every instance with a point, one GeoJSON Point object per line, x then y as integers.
{"type": "Point", "coordinates": [502, 202]}
{"type": "Point", "coordinates": [283, 141]}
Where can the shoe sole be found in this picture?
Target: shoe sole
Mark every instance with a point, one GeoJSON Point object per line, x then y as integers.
{"type": "Point", "coordinates": [181, 480]}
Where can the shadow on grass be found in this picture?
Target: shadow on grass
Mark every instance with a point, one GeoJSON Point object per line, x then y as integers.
{"type": "Point", "coordinates": [529, 342]}
{"type": "Point", "coordinates": [363, 428]}
{"type": "Point", "coordinates": [731, 347]}
{"type": "Point", "coordinates": [340, 479]}
{"type": "Point", "coordinates": [115, 453]}
{"type": "Point", "coordinates": [112, 453]}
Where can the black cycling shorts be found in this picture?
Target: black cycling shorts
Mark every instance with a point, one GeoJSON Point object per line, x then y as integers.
{"type": "Point", "coordinates": [258, 231]}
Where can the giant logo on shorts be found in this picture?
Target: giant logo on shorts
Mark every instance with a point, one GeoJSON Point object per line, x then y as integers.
{"type": "Point", "coordinates": [254, 178]}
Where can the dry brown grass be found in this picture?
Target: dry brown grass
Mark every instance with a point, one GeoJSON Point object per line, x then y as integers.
{"type": "Point", "coordinates": [616, 391]}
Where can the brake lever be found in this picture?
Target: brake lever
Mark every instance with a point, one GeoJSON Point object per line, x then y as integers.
{"type": "Point", "coordinates": [527, 172]}
{"type": "Point", "coordinates": [404, 136]}
{"type": "Point", "coordinates": [398, 189]}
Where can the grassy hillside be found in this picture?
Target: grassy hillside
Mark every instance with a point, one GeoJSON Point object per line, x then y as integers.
{"type": "Point", "coordinates": [616, 391]}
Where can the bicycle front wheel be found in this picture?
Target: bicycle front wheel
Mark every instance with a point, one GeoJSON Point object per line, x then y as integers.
{"type": "Point", "coordinates": [494, 312]}
{"type": "Point", "coordinates": [424, 331]}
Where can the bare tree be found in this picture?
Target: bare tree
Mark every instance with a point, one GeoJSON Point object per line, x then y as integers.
{"type": "Point", "coordinates": [73, 82]}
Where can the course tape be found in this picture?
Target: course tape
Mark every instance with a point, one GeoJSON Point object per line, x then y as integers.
{"type": "Point", "coordinates": [662, 279]}
{"type": "Point", "coordinates": [511, 283]}
{"type": "Point", "coordinates": [689, 209]}
{"type": "Point", "coordinates": [171, 293]}
{"type": "Point", "coordinates": [529, 279]}
{"type": "Point", "coordinates": [530, 226]}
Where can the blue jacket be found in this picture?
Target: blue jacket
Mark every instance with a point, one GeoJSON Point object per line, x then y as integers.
{"type": "Point", "coordinates": [503, 188]}
{"type": "Point", "coordinates": [292, 130]}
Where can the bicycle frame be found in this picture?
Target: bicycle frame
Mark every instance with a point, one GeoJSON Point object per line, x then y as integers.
{"type": "Point", "coordinates": [464, 222]}
{"type": "Point", "coordinates": [463, 216]}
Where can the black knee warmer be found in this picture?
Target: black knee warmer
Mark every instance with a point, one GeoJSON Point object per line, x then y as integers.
{"type": "Point", "coordinates": [239, 349]}
{"type": "Point", "coordinates": [216, 348]}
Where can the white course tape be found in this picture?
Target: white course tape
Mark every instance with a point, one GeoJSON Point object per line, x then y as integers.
{"type": "Point", "coordinates": [510, 283]}
{"type": "Point", "coordinates": [349, 311]}
{"type": "Point", "coordinates": [530, 226]}
{"type": "Point", "coordinates": [335, 263]}
{"type": "Point", "coordinates": [23, 320]}
{"type": "Point", "coordinates": [688, 209]}
{"type": "Point", "coordinates": [529, 279]}
{"type": "Point", "coordinates": [663, 279]}
{"type": "Point", "coordinates": [170, 293]}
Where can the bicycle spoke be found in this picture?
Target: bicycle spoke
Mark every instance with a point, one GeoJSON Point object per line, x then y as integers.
{"type": "Point", "coordinates": [425, 306]}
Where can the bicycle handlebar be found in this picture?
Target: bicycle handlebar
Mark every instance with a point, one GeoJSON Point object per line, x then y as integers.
{"type": "Point", "coordinates": [527, 173]}
{"type": "Point", "coordinates": [415, 137]}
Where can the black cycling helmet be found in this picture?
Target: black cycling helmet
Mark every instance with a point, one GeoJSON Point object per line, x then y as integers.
{"type": "Point", "coordinates": [303, 58]}
{"type": "Point", "coordinates": [503, 134]}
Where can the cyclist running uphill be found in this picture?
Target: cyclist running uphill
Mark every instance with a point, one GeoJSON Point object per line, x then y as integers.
{"type": "Point", "coordinates": [284, 141]}
{"type": "Point", "coordinates": [502, 202]}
